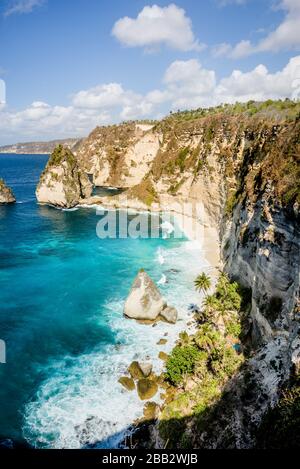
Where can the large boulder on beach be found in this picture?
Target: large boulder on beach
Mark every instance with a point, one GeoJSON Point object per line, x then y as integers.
{"type": "Point", "coordinates": [145, 301]}
{"type": "Point", "coordinates": [63, 183]}
{"type": "Point", "coordinates": [6, 194]}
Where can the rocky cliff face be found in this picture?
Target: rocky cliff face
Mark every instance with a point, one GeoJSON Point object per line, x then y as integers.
{"type": "Point", "coordinates": [63, 183]}
{"type": "Point", "coordinates": [119, 156]}
{"type": "Point", "coordinates": [6, 194]}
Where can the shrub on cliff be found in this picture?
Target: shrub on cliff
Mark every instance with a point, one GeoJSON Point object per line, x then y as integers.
{"type": "Point", "coordinates": [181, 362]}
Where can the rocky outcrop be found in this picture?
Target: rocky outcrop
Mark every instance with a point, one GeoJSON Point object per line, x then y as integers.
{"type": "Point", "coordinates": [146, 303]}
{"type": "Point", "coordinates": [138, 370]}
{"type": "Point", "coordinates": [169, 314]}
{"type": "Point", "coordinates": [127, 383]}
{"type": "Point", "coordinates": [119, 156]}
{"type": "Point", "coordinates": [6, 194]}
{"type": "Point", "coordinates": [63, 183]}
{"type": "Point", "coordinates": [147, 388]}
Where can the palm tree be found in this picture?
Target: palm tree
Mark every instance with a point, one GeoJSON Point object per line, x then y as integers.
{"type": "Point", "coordinates": [211, 303]}
{"type": "Point", "coordinates": [202, 283]}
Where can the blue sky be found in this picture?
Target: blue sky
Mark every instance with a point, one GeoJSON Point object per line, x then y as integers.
{"type": "Point", "coordinates": [70, 65]}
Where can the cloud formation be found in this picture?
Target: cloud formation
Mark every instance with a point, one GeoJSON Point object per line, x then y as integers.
{"type": "Point", "coordinates": [285, 37]}
{"type": "Point", "coordinates": [185, 85]}
{"type": "Point", "coordinates": [22, 6]}
{"type": "Point", "coordinates": [155, 26]}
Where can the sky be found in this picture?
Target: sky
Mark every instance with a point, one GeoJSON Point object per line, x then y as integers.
{"type": "Point", "coordinates": [67, 66]}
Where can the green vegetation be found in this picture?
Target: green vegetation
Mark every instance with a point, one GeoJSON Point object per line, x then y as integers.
{"type": "Point", "coordinates": [145, 192]}
{"type": "Point", "coordinates": [287, 108]}
{"type": "Point", "coordinates": [201, 364]}
{"type": "Point", "coordinates": [181, 362]}
{"type": "Point", "coordinates": [182, 155]}
{"type": "Point", "coordinates": [203, 283]}
{"type": "Point", "coordinates": [60, 155]}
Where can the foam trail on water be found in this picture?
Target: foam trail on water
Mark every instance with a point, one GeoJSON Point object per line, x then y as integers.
{"type": "Point", "coordinates": [160, 257]}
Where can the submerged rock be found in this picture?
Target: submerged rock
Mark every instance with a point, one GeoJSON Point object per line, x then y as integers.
{"type": "Point", "coordinates": [63, 183]}
{"type": "Point", "coordinates": [162, 342]}
{"type": "Point", "coordinates": [163, 356]}
{"type": "Point", "coordinates": [6, 194]}
{"type": "Point", "coordinates": [145, 301]}
{"type": "Point", "coordinates": [127, 383]}
{"type": "Point", "coordinates": [147, 388]}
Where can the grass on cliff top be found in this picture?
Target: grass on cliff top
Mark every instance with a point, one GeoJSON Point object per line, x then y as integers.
{"type": "Point", "coordinates": [60, 155]}
{"type": "Point", "coordinates": [272, 109]}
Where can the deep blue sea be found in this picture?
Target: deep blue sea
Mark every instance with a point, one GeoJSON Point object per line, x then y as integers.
{"type": "Point", "coordinates": [62, 291]}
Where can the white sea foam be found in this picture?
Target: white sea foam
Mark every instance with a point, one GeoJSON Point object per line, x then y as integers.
{"type": "Point", "coordinates": [163, 280]}
{"type": "Point", "coordinates": [82, 401]}
{"type": "Point", "coordinates": [74, 209]}
{"type": "Point", "coordinates": [160, 257]}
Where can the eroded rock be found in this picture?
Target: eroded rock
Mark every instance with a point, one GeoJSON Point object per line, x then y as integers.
{"type": "Point", "coordinates": [63, 183]}
{"type": "Point", "coordinates": [147, 388]}
{"type": "Point", "coordinates": [6, 194]}
{"type": "Point", "coordinates": [145, 301]}
{"type": "Point", "coordinates": [127, 383]}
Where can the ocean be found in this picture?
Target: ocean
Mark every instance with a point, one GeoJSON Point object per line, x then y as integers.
{"type": "Point", "coordinates": [62, 291]}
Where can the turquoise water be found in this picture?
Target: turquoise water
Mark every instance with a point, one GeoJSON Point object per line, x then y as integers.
{"type": "Point", "coordinates": [62, 291]}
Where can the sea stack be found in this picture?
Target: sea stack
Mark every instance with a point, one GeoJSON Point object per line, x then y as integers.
{"type": "Point", "coordinates": [145, 301]}
{"type": "Point", "coordinates": [6, 194]}
{"type": "Point", "coordinates": [63, 183]}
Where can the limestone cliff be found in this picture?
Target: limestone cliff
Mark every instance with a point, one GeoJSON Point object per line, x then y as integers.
{"type": "Point", "coordinates": [63, 183]}
{"type": "Point", "coordinates": [121, 155]}
{"type": "Point", "coordinates": [6, 194]}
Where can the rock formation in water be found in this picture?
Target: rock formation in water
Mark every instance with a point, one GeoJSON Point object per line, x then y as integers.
{"type": "Point", "coordinates": [146, 303]}
{"type": "Point", "coordinates": [6, 194]}
{"type": "Point", "coordinates": [63, 182]}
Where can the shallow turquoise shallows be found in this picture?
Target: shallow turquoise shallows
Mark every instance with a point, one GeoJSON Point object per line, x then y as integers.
{"type": "Point", "coordinates": [62, 291]}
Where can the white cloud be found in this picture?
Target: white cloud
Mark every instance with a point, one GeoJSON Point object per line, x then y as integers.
{"type": "Point", "coordinates": [285, 37]}
{"type": "Point", "coordinates": [189, 84]}
{"type": "Point", "coordinates": [259, 84]}
{"type": "Point", "coordinates": [185, 84]}
{"type": "Point", "coordinates": [102, 96]}
{"type": "Point", "coordinates": [155, 26]}
{"type": "Point", "coordinates": [22, 6]}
